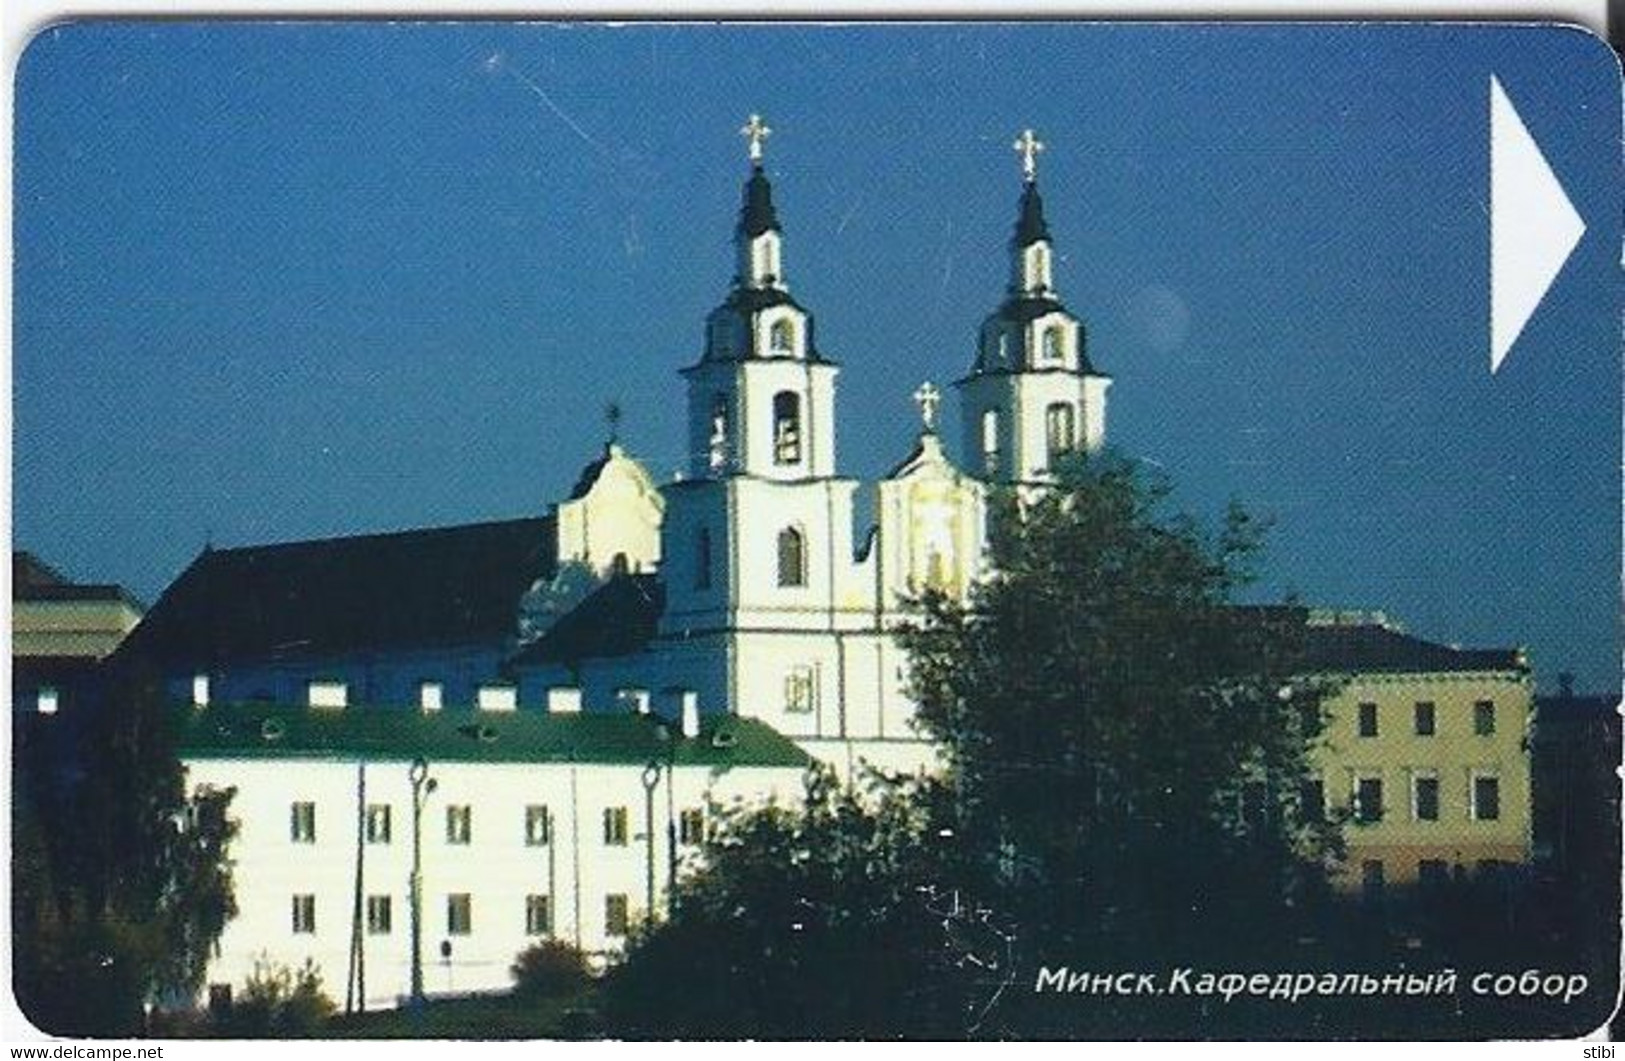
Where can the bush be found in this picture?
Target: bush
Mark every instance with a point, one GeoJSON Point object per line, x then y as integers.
{"type": "Point", "coordinates": [549, 969]}
{"type": "Point", "coordinates": [278, 1003]}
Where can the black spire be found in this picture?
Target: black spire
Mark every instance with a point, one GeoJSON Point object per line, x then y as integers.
{"type": "Point", "coordinates": [1030, 227]}
{"type": "Point", "coordinates": [757, 215]}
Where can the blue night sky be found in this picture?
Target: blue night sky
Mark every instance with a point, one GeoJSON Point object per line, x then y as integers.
{"type": "Point", "coordinates": [287, 281]}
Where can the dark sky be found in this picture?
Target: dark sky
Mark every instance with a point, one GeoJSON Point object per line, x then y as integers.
{"type": "Point", "coordinates": [277, 282]}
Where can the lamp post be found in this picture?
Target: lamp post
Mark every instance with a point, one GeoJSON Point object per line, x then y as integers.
{"type": "Point", "coordinates": [651, 778]}
{"type": "Point", "coordinates": [422, 786]}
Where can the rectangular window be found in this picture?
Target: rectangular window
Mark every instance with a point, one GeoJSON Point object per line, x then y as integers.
{"type": "Point", "coordinates": [459, 824]}
{"type": "Point", "coordinates": [302, 823]}
{"type": "Point", "coordinates": [1312, 800]}
{"type": "Point", "coordinates": [378, 824]}
{"type": "Point", "coordinates": [1484, 718]}
{"type": "Point", "coordinates": [1368, 719]}
{"type": "Point", "coordinates": [691, 827]}
{"type": "Point", "coordinates": [1368, 800]}
{"type": "Point", "coordinates": [459, 914]}
{"type": "Point", "coordinates": [1486, 799]}
{"type": "Point", "coordinates": [615, 915]}
{"type": "Point", "coordinates": [799, 691]}
{"type": "Point", "coordinates": [304, 914]}
{"type": "Point", "coordinates": [538, 826]}
{"type": "Point", "coordinates": [1425, 718]}
{"type": "Point", "coordinates": [1425, 798]}
{"type": "Point", "coordinates": [1431, 874]}
{"type": "Point", "coordinates": [1372, 879]}
{"type": "Point", "coordinates": [538, 915]}
{"type": "Point", "coordinates": [379, 915]}
{"type": "Point", "coordinates": [615, 826]}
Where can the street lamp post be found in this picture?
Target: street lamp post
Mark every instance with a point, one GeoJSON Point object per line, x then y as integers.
{"type": "Point", "coordinates": [651, 778]}
{"type": "Point", "coordinates": [422, 786]}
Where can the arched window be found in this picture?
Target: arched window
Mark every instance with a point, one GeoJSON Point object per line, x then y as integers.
{"type": "Point", "coordinates": [1054, 342]}
{"type": "Point", "coordinates": [792, 558]}
{"type": "Point", "coordinates": [781, 337]}
{"type": "Point", "coordinates": [990, 439]}
{"type": "Point", "coordinates": [786, 427]}
{"type": "Point", "coordinates": [719, 432]}
{"type": "Point", "coordinates": [1060, 429]}
{"type": "Point", "coordinates": [702, 559]}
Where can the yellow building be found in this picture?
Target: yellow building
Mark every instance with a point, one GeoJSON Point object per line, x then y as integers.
{"type": "Point", "coordinates": [60, 630]}
{"type": "Point", "coordinates": [1425, 748]}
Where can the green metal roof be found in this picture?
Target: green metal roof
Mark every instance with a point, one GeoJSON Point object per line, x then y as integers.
{"type": "Point", "coordinates": [264, 731]}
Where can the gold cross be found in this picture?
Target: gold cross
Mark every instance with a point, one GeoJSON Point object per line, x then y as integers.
{"type": "Point", "coordinates": [1028, 146]}
{"type": "Point", "coordinates": [755, 131]}
{"type": "Point", "coordinates": [927, 397]}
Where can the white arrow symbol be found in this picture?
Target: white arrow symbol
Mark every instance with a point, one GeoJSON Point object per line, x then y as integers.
{"type": "Point", "coordinates": [1533, 226]}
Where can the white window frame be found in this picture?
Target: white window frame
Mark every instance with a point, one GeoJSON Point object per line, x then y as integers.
{"type": "Point", "coordinates": [538, 825]}
{"type": "Point", "coordinates": [616, 830]}
{"type": "Point", "coordinates": [380, 823]}
{"type": "Point", "coordinates": [459, 914]}
{"type": "Point", "coordinates": [304, 914]}
{"type": "Point", "coordinates": [801, 690]}
{"type": "Point", "coordinates": [380, 915]}
{"type": "Point", "coordinates": [538, 915]}
{"type": "Point", "coordinates": [460, 824]}
{"type": "Point", "coordinates": [302, 822]}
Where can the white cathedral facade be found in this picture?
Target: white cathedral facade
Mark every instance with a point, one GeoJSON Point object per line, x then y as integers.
{"type": "Point", "coordinates": [581, 687]}
{"type": "Point", "coordinates": [771, 609]}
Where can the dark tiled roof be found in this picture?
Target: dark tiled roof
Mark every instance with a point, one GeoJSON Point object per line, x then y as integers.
{"type": "Point", "coordinates": [30, 572]}
{"type": "Point", "coordinates": [1026, 308]}
{"type": "Point", "coordinates": [755, 299]}
{"type": "Point", "coordinates": [34, 580]}
{"type": "Point", "coordinates": [1373, 649]}
{"type": "Point", "coordinates": [254, 731]}
{"type": "Point", "coordinates": [445, 586]}
{"type": "Point", "coordinates": [617, 619]}
{"type": "Point", "coordinates": [1030, 226]}
{"type": "Point", "coordinates": [757, 215]}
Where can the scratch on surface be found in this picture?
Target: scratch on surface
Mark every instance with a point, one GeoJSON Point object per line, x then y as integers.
{"type": "Point", "coordinates": [494, 63]}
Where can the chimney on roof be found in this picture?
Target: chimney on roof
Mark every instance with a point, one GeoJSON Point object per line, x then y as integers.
{"type": "Point", "coordinates": [564, 700]}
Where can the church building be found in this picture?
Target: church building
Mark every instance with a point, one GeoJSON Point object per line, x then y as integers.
{"type": "Point", "coordinates": [450, 743]}
{"type": "Point", "coordinates": [481, 735]}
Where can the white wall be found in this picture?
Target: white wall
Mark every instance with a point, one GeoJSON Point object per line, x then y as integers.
{"type": "Point", "coordinates": [496, 869]}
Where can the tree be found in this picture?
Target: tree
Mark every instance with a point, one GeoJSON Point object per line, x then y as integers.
{"type": "Point", "coordinates": [1126, 747]}
{"type": "Point", "coordinates": [129, 883]}
{"type": "Point", "coordinates": [806, 922]}
{"type": "Point", "coordinates": [1125, 756]}
{"type": "Point", "coordinates": [277, 1002]}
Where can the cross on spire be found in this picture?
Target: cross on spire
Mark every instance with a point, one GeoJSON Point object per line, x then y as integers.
{"type": "Point", "coordinates": [755, 131]}
{"type": "Point", "coordinates": [928, 398]}
{"type": "Point", "coordinates": [1028, 146]}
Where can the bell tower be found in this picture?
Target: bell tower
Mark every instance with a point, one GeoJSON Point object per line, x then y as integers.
{"type": "Point", "coordinates": [761, 399]}
{"type": "Point", "coordinates": [1031, 395]}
